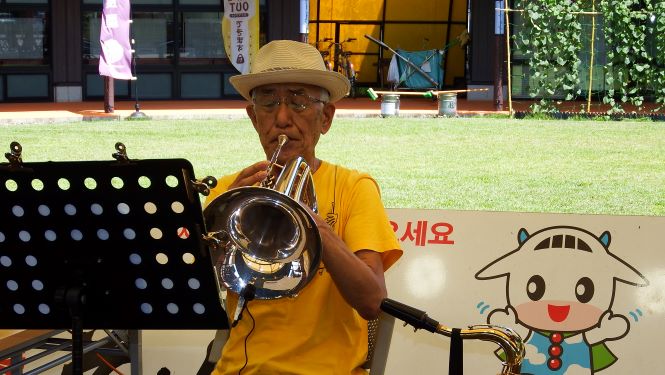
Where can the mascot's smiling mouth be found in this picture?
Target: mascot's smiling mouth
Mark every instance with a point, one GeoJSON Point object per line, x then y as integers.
{"type": "Point", "coordinates": [558, 313]}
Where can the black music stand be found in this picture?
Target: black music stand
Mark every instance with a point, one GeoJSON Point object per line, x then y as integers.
{"type": "Point", "coordinates": [104, 244]}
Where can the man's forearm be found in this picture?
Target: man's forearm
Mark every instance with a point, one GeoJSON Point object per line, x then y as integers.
{"type": "Point", "coordinates": [359, 276]}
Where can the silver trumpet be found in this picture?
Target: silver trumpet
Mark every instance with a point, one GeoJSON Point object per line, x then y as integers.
{"type": "Point", "coordinates": [506, 338]}
{"type": "Point", "coordinates": [268, 243]}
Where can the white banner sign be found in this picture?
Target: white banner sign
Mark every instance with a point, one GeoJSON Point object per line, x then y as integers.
{"type": "Point", "coordinates": [586, 292]}
{"type": "Point", "coordinates": [304, 16]}
{"type": "Point", "coordinates": [239, 33]}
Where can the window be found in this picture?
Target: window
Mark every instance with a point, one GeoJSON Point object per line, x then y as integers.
{"type": "Point", "coordinates": [91, 27]}
{"type": "Point", "coordinates": [27, 1]}
{"type": "Point", "coordinates": [179, 48]}
{"type": "Point", "coordinates": [202, 38]}
{"type": "Point", "coordinates": [201, 86]}
{"type": "Point", "coordinates": [134, 2]}
{"type": "Point", "coordinates": [152, 31]}
{"type": "Point", "coordinates": [24, 50]}
{"type": "Point", "coordinates": [199, 2]}
{"type": "Point", "coordinates": [153, 34]}
{"type": "Point", "coordinates": [23, 37]}
{"type": "Point", "coordinates": [23, 86]}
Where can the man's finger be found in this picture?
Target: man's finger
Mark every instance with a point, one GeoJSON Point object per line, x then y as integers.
{"type": "Point", "coordinates": [251, 175]}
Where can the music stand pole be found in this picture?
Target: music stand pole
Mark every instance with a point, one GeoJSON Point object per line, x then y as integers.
{"type": "Point", "coordinates": [74, 299]}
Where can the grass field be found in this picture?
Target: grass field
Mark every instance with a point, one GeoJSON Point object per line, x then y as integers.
{"type": "Point", "coordinates": [589, 167]}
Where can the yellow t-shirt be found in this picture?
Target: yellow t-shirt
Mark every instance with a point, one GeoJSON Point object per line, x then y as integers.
{"type": "Point", "coordinates": [316, 332]}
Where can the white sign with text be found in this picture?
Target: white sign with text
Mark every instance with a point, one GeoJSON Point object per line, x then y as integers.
{"type": "Point", "coordinates": [585, 292]}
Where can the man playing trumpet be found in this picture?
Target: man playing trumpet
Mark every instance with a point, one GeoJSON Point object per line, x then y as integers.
{"type": "Point", "coordinates": [323, 330]}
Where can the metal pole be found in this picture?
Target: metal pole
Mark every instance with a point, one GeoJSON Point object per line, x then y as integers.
{"type": "Point", "coordinates": [593, 37]}
{"type": "Point", "coordinates": [108, 94]}
{"type": "Point", "coordinates": [137, 114]}
{"type": "Point", "coordinates": [446, 53]}
{"type": "Point", "coordinates": [508, 66]}
{"type": "Point", "coordinates": [136, 351]}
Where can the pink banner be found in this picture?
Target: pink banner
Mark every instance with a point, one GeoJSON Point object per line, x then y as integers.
{"type": "Point", "coordinates": [116, 55]}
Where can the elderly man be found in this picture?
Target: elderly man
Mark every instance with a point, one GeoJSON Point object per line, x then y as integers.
{"type": "Point", "coordinates": [324, 329]}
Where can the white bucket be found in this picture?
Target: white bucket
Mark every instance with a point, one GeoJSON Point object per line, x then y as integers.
{"type": "Point", "coordinates": [448, 104]}
{"type": "Point", "coordinates": [389, 105]}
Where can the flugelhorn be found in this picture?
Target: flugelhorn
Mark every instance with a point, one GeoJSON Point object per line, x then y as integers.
{"type": "Point", "coordinates": [269, 244]}
{"type": "Point", "coordinates": [506, 338]}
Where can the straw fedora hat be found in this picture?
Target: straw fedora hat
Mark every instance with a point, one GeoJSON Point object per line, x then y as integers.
{"type": "Point", "coordinates": [288, 61]}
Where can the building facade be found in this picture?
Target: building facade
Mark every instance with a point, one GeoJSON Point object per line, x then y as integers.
{"type": "Point", "coordinates": [49, 49]}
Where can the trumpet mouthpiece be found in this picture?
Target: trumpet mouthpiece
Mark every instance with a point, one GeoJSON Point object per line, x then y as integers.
{"type": "Point", "coordinates": [282, 139]}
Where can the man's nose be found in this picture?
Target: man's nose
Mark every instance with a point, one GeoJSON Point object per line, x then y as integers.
{"type": "Point", "coordinates": [282, 114]}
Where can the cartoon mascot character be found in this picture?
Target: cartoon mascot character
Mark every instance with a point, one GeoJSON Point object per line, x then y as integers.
{"type": "Point", "coordinates": [560, 287]}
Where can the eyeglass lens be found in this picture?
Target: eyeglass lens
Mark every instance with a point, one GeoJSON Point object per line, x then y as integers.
{"type": "Point", "coordinates": [296, 101]}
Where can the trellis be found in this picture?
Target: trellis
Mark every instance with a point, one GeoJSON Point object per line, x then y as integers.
{"type": "Point", "coordinates": [641, 73]}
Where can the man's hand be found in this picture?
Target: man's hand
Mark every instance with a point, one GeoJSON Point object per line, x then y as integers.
{"type": "Point", "coordinates": [251, 175]}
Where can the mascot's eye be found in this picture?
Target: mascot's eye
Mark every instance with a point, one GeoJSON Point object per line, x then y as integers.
{"type": "Point", "coordinates": [535, 287]}
{"type": "Point", "coordinates": [584, 290]}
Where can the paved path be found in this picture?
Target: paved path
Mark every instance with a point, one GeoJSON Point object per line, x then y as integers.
{"type": "Point", "coordinates": [28, 113]}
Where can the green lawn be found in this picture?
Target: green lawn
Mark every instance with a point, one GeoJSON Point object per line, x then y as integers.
{"type": "Point", "coordinates": [493, 164]}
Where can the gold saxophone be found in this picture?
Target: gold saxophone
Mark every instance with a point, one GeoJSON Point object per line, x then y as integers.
{"type": "Point", "coordinates": [506, 338]}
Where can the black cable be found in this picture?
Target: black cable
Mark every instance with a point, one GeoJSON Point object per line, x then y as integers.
{"type": "Point", "coordinates": [247, 337]}
{"type": "Point", "coordinates": [247, 294]}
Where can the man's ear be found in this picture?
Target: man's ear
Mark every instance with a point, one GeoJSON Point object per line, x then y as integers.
{"type": "Point", "coordinates": [251, 113]}
{"type": "Point", "coordinates": [328, 114]}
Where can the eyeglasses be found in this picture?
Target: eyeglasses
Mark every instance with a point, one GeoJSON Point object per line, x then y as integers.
{"type": "Point", "coordinates": [298, 102]}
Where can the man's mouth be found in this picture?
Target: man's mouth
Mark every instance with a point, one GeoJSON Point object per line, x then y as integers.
{"type": "Point", "coordinates": [558, 313]}
{"type": "Point", "coordinates": [288, 142]}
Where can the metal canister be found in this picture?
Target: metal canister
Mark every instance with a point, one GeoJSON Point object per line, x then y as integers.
{"type": "Point", "coordinates": [389, 105]}
{"type": "Point", "coordinates": [448, 104]}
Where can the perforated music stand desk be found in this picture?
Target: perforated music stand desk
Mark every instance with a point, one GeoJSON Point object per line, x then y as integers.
{"type": "Point", "coordinates": [104, 244]}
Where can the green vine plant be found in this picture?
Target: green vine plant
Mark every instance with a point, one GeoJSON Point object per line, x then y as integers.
{"type": "Point", "coordinates": [658, 21]}
{"type": "Point", "coordinates": [631, 70]}
{"type": "Point", "coordinates": [550, 38]}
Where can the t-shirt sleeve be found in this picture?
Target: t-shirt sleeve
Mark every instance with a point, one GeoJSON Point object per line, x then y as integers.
{"type": "Point", "coordinates": [222, 186]}
{"type": "Point", "coordinates": [368, 227]}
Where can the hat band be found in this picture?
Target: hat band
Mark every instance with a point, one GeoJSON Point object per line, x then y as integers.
{"type": "Point", "coordinates": [278, 69]}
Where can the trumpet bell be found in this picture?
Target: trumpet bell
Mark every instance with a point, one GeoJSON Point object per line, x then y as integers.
{"type": "Point", "coordinates": [269, 239]}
